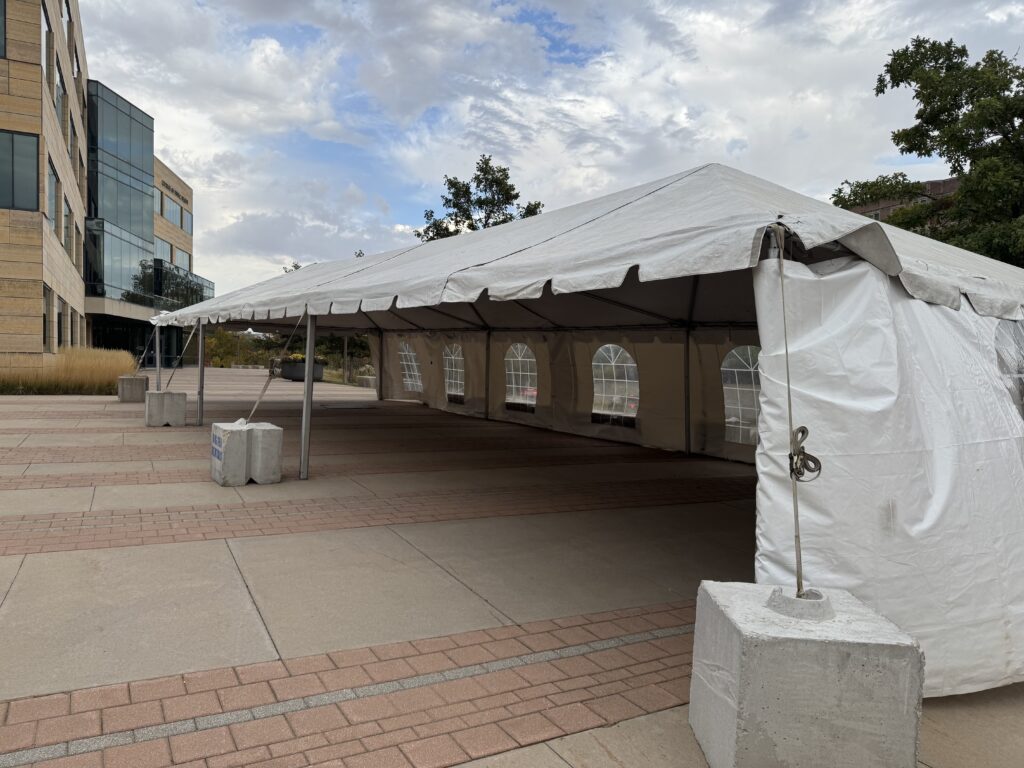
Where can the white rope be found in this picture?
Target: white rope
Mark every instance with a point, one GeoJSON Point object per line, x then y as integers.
{"type": "Point", "coordinates": [180, 356]}
{"type": "Point", "coordinates": [273, 370]}
{"type": "Point", "coordinates": [800, 462]}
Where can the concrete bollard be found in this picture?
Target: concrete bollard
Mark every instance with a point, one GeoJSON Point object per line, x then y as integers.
{"type": "Point", "coordinates": [132, 388]}
{"type": "Point", "coordinates": [240, 452]}
{"type": "Point", "coordinates": [165, 409]}
{"type": "Point", "coordinates": [779, 682]}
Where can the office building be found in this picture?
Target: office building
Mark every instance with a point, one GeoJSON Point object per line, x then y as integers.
{"type": "Point", "coordinates": [80, 258]}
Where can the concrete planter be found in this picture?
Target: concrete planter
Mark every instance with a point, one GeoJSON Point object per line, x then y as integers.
{"type": "Point", "coordinates": [132, 389]}
{"type": "Point", "coordinates": [370, 382]}
{"type": "Point", "coordinates": [297, 371]}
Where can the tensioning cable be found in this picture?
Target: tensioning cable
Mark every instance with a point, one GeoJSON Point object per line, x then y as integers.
{"type": "Point", "coordinates": [272, 372]}
{"type": "Point", "coordinates": [803, 467]}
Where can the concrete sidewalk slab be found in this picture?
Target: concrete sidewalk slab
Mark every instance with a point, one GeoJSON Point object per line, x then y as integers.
{"type": "Point", "coordinates": [317, 488]}
{"type": "Point", "coordinates": [77, 619]}
{"type": "Point", "coordinates": [660, 740]}
{"type": "Point", "coordinates": [12, 440]}
{"type": "Point", "coordinates": [347, 589]}
{"type": "Point", "coordinates": [12, 470]}
{"type": "Point", "coordinates": [164, 437]}
{"type": "Point", "coordinates": [73, 439]}
{"type": "Point", "coordinates": [88, 467]}
{"type": "Point", "coordinates": [150, 495]}
{"type": "Point", "coordinates": [45, 501]}
{"type": "Point", "coordinates": [8, 570]}
{"type": "Point", "coordinates": [980, 730]}
{"type": "Point", "coordinates": [541, 566]}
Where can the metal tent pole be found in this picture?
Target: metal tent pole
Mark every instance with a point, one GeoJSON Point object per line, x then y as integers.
{"type": "Point", "coordinates": [201, 359]}
{"type": "Point", "coordinates": [380, 366]}
{"type": "Point", "coordinates": [156, 355]}
{"type": "Point", "coordinates": [307, 395]}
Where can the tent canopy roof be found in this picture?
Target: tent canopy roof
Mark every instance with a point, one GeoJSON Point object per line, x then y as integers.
{"type": "Point", "coordinates": [707, 220]}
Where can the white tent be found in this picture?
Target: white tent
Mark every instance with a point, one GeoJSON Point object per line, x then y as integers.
{"type": "Point", "coordinates": [913, 396]}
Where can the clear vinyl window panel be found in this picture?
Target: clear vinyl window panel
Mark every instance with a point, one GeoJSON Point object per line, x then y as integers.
{"type": "Point", "coordinates": [616, 387]}
{"type": "Point", "coordinates": [520, 378]}
{"type": "Point", "coordinates": [1010, 357]}
{"type": "Point", "coordinates": [454, 373]}
{"type": "Point", "coordinates": [412, 379]}
{"type": "Point", "coordinates": [741, 386]}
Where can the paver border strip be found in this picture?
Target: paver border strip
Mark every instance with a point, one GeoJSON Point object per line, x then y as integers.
{"type": "Point", "coordinates": [190, 725]}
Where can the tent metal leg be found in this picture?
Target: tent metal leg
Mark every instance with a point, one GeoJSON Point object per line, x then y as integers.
{"type": "Point", "coordinates": [307, 395]}
{"type": "Point", "coordinates": [156, 355]}
{"type": "Point", "coordinates": [380, 366]}
{"type": "Point", "coordinates": [487, 375]}
{"type": "Point", "coordinates": [201, 359]}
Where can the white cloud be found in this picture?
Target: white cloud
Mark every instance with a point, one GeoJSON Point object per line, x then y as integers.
{"type": "Point", "coordinates": [579, 97]}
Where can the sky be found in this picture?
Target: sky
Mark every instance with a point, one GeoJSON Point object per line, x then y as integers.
{"type": "Point", "coordinates": [313, 128]}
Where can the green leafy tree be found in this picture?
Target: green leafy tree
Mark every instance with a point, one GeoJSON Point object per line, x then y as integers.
{"type": "Point", "coordinates": [896, 186]}
{"type": "Point", "coordinates": [293, 267]}
{"type": "Point", "coordinates": [971, 114]}
{"type": "Point", "coordinates": [488, 199]}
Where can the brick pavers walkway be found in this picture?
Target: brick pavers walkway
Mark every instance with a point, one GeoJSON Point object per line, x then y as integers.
{"type": "Point", "coordinates": [58, 532]}
{"type": "Point", "coordinates": [425, 703]}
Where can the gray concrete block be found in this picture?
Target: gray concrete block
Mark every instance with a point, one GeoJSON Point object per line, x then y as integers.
{"type": "Point", "coordinates": [132, 388]}
{"type": "Point", "coordinates": [265, 449]}
{"type": "Point", "coordinates": [785, 683]}
{"type": "Point", "coordinates": [229, 453]}
{"type": "Point", "coordinates": [165, 409]}
{"type": "Point", "coordinates": [240, 452]}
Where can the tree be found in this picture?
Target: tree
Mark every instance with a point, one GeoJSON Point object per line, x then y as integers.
{"type": "Point", "coordinates": [293, 267]}
{"type": "Point", "coordinates": [488, 199]}
{"type": "Point", "coordinates": [896, 186]}
{"type": "Point", "coordinates": [972, 116]}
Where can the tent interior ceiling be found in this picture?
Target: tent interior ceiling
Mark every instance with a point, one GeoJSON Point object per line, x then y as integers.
{"type": "Point", "coordinates": [706, 300]}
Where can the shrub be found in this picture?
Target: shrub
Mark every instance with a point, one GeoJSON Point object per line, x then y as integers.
{"type": "Point", "coordinates": [76, 371]}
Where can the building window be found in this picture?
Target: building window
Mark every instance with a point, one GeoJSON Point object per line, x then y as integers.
{"type": "Point", "coordinates": [19, 171]}
{"type": "Point", "coordinates": [186, 221]}
{"type": "Point", "coordinates": [61, 312]}
{"type": "Point", "coordinates": [172, 211]}
{"type": "Point", "coordinates": [183, 259]}
{"type": "Point", "coordinates": [69, 241]}
{"type": "Point", "coordinates": [616, 387]}
{"type": "Point", "coordinates": [454, 373]}
{"type": "Point", "coordinates": [1010, 357]}
{"type": "Point", "coordinates": [741, 385]}
{"type": "Point", "coordinates": [520, 379]}
{"type": "Point", "coordinates": [158, 198]}
{"type": "Point", "coordinates": [74, 328]}
{"type": "Point", "coordinates": [44, 53]}
{"type": "Point", "coordinates": [60, 92]}
{"type": "Point", "coordinates": [3, 28]}
{"type": "Point", "coordinates": [47, 304]}
{"type": "Point", "coordinates": [162, 249]}
{"type": "Point", "coordinates": [412, 381]}
{"type": "Point", "coordinates": [51, 197]}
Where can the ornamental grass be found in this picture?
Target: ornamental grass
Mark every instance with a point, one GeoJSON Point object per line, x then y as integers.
{"type": "Point", "coordinates": [75, 371]}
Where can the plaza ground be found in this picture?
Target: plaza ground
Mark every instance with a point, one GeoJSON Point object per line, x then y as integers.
{"type": "Point", "coordinates": [443, 590]}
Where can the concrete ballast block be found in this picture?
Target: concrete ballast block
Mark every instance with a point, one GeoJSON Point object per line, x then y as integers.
{"type": "Point", "coordinates": [165, 409]}
{"type": "Point", "coordinates": [265, 448]}
{"type": "Point", "coordinates": [132, 389]}
{"type": "Point", "coordinates": [780, 683]}
{"type": "Point", "coordinates": [240, 452]}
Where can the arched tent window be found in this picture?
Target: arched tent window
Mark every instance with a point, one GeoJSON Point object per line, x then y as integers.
{"type": "Point", "coordinates": [454, 373]}
{"type": "Point", "coordinates": [1010, 356]}
{"type": "Point", "coordinates": [616, 387]}
{"type": "Point", "coordinates": [520, 378]}
{"type": "Point", "coordinates": [412, 380]}
{"type": "Point", "coordinates": [741, 385]}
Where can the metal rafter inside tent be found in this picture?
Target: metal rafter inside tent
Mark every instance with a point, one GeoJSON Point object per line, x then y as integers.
{"type": "Point", "coordinates": [892, 348]}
